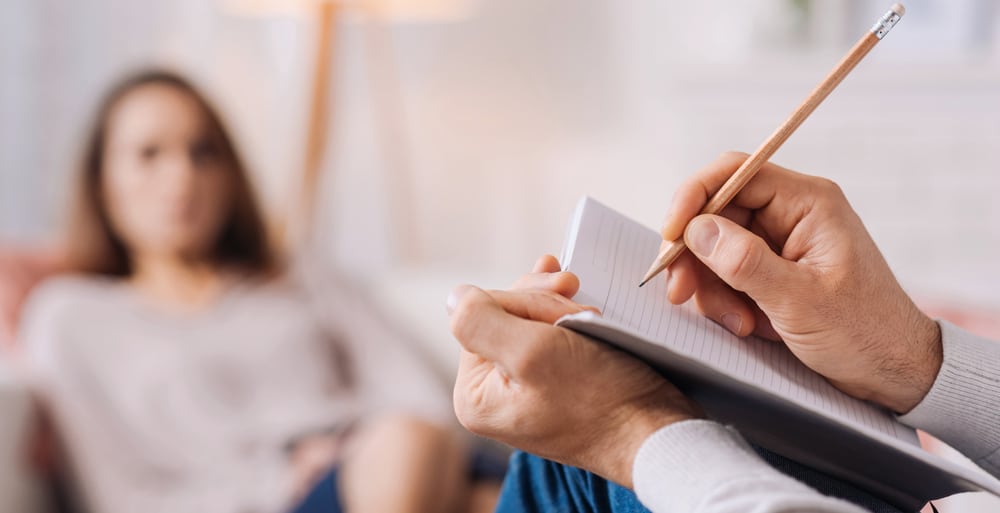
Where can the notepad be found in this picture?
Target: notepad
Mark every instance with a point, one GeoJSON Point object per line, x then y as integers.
{"type": "Point", "coordinates": [756, 385]}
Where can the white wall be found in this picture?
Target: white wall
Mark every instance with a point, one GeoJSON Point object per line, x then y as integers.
{"type": "Point", "coordinates": [515, 113]}
{"type": "Point", "coordinates": [511, 114]}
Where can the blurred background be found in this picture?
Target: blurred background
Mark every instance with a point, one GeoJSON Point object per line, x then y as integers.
{"type": "Point", "coordinates": [452, 138]}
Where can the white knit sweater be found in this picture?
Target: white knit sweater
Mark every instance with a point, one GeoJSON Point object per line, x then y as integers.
{"type": "Point", "coordinates": [178, 412]}
{"type": "Point", "coordinates": [703, 467]}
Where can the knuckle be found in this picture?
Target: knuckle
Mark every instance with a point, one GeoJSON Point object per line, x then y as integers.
{"type": "Point", "coordinates": [547, 296]}
{"type": "Point", "coordinates": [828, 187]}
{"type": "Point", "coordinates": [745, 262]}
{"type": "Point", "coordinates": [522, 282]}
{"type": "Point", "coordinates": [531, 355]}
{"type": "Point", "coordinates": [830, 195]}
{"type": "Point", "coordinates": [530, 281]}
{"type": "Point", "coordinates": [465, 316]}
{"type": "Point", "coordinates": [689, 186]}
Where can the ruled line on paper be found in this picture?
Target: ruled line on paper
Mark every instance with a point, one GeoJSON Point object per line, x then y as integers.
{"type": "Point", "coordinates": [620, 251]}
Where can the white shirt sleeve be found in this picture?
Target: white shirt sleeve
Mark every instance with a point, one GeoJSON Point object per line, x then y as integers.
{"type": "Point", "coordinates": [962, 408]}
{"type": "Point", "coordinates": [703, 467]}
{"type": "Point", "coordinates": [700, 466]}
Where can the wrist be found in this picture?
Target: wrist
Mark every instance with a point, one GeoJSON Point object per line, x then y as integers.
{"type": "Point", "coordinates": [633, 429]}
{"type": "Point", "coordinates": [919, 365]}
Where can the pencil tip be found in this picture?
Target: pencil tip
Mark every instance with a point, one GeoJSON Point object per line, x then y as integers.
{"type": "Point", "coordinates": [641, 283]}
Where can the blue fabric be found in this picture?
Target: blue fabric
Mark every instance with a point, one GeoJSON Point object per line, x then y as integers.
{"type": "Point", "coordinates": [324, 497]}
{"type": "Point", "coordinates": [535, 485]}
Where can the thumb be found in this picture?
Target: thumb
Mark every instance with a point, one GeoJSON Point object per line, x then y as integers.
{"type": "Point", "coordinates": [740, 258]}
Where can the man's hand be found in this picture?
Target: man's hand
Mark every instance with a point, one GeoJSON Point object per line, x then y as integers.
{"type": "Point", "coordinates": [548, 390]}
{"type": "Point", "coordinates": [790, 260]}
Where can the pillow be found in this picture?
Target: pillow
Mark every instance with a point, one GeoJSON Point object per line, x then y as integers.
{"type": "Point", "coordinates": [20, 270]}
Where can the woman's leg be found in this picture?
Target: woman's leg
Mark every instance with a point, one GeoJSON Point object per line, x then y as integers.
{"type": "Point", "coordinates": [405, 465]}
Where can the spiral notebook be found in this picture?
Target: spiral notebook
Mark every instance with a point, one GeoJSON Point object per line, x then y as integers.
{"type": "Point", "coordinates": [756, 385]}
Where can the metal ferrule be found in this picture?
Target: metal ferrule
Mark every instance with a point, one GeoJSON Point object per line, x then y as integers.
{"type": "Point", "coordinates": [885, 24]}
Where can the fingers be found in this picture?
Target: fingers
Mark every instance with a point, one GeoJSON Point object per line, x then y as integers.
{"type": "Point", "coordinates": [538, 305]}
{"type": "Point", "coordinates": [740, 258]}
{"type": "Point", "coordinates": [546, 275]}
{"type": "Point", "coordinates": [719, 302]}
{"type": "Point", "coordinates": [770, 181]}
{"type": "Point", "coordinates": [547, 264]}
{"type": "Point", "coordinates": [483, 327]}
{"type": "Point", "coordinates": [682, 278]}
{"type": "Point", "coordinates": [713, 297]}
{"type": "Point", "coordinates": [563, 283]}
{"type": "Point", "coordinates": [685, 271]}
{"type": "Point", "coordinates": [763, 327]}
{"type": "Point", "coordinates": [692, 195]}
{"type": "Point", "coordinates": [500, 326]}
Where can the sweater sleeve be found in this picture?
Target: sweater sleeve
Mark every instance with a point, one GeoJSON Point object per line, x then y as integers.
{"type": "Point", "coordinates": [390, 374]}
{"type": "Point", "coordinates": [700, 466]}
{"type": "Point", "coordinates": [962, 408]}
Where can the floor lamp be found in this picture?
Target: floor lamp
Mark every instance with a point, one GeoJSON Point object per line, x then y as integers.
{"type": "Point", "coordinates": [376, 15]}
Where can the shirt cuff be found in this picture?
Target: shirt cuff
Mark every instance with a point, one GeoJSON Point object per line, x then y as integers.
{"type": "Point", "coordinates": [682, 464]}
{"type": "Point", "coordinates": [962, 408]}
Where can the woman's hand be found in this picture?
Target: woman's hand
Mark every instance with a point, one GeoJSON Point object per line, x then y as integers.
{"type": "Point", "coordinates": [790, 260]}
{"type": "Point", "coordinates": [548, 390]}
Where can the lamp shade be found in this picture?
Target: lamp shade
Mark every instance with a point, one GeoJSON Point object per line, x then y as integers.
{"type": "Point", "coordinates": [403, 11]}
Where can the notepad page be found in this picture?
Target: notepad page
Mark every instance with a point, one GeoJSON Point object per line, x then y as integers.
{"type": "Point", "coordinates": [610, 253]}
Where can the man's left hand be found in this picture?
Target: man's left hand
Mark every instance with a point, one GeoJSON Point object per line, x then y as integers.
{"type": "Point", "coordinates": [548, 390]}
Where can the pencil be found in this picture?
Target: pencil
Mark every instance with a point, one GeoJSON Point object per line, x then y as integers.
{"type": "Point", "coordinates": [670, 250]}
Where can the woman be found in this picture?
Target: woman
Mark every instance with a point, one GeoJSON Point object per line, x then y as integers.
{"type": "Point", "coordinates": [188, 371]}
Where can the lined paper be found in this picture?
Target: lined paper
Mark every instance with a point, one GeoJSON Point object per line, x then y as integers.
{"type": "Point", "coordinates": [610, 253]}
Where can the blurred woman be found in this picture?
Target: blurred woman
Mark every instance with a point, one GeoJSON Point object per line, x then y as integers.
{"type": "Point", "coordinates": [189, 370]}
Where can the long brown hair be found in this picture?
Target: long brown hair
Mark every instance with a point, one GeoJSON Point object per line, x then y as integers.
{"type": "Point", "coordinates": [94, 247]}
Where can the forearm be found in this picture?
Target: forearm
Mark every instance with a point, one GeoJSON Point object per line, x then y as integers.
{"type": "Point", "coordinates": [962, 408]}
{"type": "Point", "coordinates": [700, 466]}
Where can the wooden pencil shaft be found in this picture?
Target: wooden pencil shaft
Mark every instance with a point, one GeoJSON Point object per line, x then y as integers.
{"type": "Point", "coordinates": [749, 169]}
{"type": "Point", "coordinates": [752, 165]}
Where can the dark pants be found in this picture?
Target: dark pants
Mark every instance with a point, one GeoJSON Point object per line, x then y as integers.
{"type": "Point", "coordinates": [535, 485]}
{"type": "Point", "coordinates": [324, 497]}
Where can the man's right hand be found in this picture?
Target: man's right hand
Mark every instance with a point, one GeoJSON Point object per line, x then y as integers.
{"type": "Point", "coordinates": [790, 260]}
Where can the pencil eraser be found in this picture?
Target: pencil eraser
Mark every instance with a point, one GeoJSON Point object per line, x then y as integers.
{"type": "Point", "coordinates": [898, 9]}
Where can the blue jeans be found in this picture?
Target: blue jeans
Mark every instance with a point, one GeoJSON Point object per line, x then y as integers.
{"type": "Point", "coordinates": [535, 485]}
{"type": "Point", "coordinates": [324, 497]}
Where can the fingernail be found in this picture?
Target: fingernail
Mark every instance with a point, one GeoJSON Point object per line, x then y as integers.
{"type": "Point", "coordinates": [454, 297]}
{"type": "Point", "coordinates": [732, 322]}
{"type": "Point", "coordinates": [702, 234]}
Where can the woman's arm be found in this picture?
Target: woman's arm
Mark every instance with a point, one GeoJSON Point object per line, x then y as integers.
{"type": "Point", "coordinates": [390, 375]}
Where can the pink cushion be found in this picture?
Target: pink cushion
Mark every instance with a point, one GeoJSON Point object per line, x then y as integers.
{"type": "Point", "coordinates": [20, 270]}
{"type": "Point", "coordinates": [980, 321]}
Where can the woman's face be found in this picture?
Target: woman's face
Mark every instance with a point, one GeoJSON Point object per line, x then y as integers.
{"type": "Point", "coordinates": [165, 181]}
